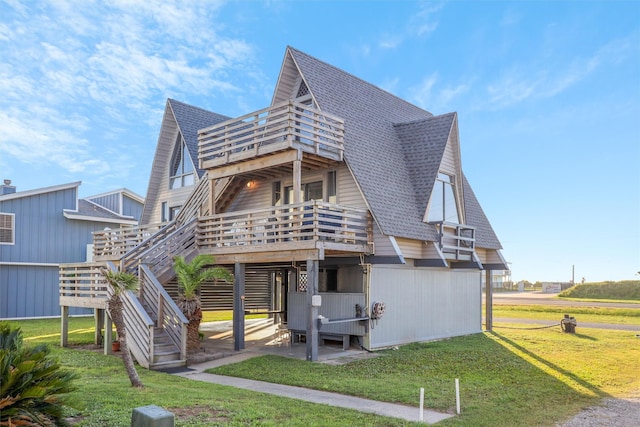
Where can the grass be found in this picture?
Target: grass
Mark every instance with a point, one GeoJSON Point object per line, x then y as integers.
{"type": "Point", "coordinates": [105, 398]}
{"type": "Point", "coordinates": [216, 316]}
{"type": "Point", "coordinates": [538, 377]}
{"type": "Point", "coordinates": [623, 290]}
{"type": "Point", "coordinates": [621, 316]}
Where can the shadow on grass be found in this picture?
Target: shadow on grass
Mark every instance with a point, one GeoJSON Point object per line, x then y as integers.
{"type": "Point", "coordinates": [561, 373]}
{"type": "Point", "coordinates": [586, 337]}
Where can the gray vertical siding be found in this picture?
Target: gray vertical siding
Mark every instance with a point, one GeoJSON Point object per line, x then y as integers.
{"type": "Point", "coordinates": [424, 304]}
{"type": "Point", "coordinates": [335, 305]}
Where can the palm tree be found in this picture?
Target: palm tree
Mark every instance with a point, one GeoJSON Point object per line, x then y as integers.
{"type": "Point", "coordinates": [190, 276]}
{"type": "Point", "coordinates": [121, 282]}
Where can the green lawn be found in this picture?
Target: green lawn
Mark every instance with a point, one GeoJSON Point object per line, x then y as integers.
{"type": "Point", "coordinates": [537, 377]}
{"type": "Point", "coordinates": [621, 316]}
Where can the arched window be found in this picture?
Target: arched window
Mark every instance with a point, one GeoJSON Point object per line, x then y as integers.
{"type": "Point", "coordinates": [182, 170]}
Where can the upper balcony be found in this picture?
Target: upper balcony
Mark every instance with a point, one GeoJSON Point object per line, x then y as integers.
{"type": "Point", "coordinates": [456, 241]}
{"type": "Point", "coordinates": [282, 127]}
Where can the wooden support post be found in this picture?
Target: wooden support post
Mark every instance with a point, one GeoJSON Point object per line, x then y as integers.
{"type": "Point", "coordinates": [108, 335]}
{"type": "Point", "coordinates": [212, 196]}
{"type": "Point", "coordinates": [312, 320]}
{"type": "Point", "coordinates": [238, 307]}
{"type": "Point", "coordinates": [297, 180]}
{"type": "Point", "coordinates": [64, 325]}
{"type": "Point", "coordinates": [488, 301]}
{"type": "Point", "coordinates": [98, 317]}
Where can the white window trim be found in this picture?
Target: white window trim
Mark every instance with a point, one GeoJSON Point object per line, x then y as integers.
{"type": "Point", "coordinates": [13, 229]}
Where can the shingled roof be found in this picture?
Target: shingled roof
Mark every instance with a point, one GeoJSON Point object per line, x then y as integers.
{"type": "Point", "coordinates": [392, 147]}
{"type": "Point", "coordinates": [190, 119]}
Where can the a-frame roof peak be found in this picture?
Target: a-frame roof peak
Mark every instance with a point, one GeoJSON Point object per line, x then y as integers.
{"type": "Point", "coordinates": [190, 120]}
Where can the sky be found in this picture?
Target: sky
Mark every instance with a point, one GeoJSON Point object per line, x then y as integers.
{"type": "Point", "coordinates": [547, 96]}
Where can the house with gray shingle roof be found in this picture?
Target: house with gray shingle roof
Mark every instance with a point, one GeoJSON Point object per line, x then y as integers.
{"type": "Point", "coordinates": [45, 227]}
{"type": "Point", "coordinates": [337, 189]}
{"type": "Point", "coordinates": [342, 210]}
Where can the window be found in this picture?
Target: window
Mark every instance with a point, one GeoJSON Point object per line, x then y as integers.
{"type": "Point", "coordinates": [173, 212]}
{"type": "Point", "coordinates": [443, 206]}
{"type": "Point", "coordinates": [169, 213]}
{"type": "Point", "coordinates": [7, 229]}
{"type": "Point", "coordinates": [276, 193]}
{"type": "Point", "coordinates": [308, 191]}
{"type": "Point", "coordinates": [331, 187]}
{"type": "Point", "coordinates": [182, 171]}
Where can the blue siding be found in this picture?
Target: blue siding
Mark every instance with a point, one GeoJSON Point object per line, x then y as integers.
{"type": "Point", "coordinates": [132, 208]}
{"type": "Point", "coordinates": [27, 291]}
{"type": "Point", "coordinates": [43, 236]}
{"type": "Point", "coordinates": [111, 202]}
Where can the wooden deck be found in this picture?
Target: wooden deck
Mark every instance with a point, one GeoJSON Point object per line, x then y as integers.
{"type": "Point", "coordinates": [303, 231]}
{"type": "Point", "coordinates": [284, 126]}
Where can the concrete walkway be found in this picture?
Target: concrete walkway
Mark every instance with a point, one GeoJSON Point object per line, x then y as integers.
{"type": "Point", "coordinates": [408, 413]}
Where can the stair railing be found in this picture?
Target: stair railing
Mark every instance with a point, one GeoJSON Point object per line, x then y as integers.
{"type": "Point", "coordinates": [129, 261]}
{"type": "Point", "coordinates": [169, 317]}
{"type": "Point", "coordinates": [182, 241]}
{"type": "Point", "coordinates": [193, 206]}
{"type": "Point", "coordinates": [138, 323]}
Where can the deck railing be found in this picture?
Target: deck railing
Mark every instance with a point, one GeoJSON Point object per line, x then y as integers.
{"type": "Point", "coordinates": [82, 285]}
{"type": "Point", "coordinates": [314, 220]}
{"type": "Point", "coordinates": [112, 245]}
{"type": "Point", "coordinates": [284, 125]}
{"type": "Point", "coordinates": [456, 241]}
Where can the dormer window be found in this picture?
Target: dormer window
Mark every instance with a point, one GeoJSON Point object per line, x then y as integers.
{"type": "Point", "coordinates": [443, 206]}
{"type": "Point", "coordinates": [182, 170]}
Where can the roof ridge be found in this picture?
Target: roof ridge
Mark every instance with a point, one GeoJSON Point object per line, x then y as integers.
{"type": "Point", "coordinates": [439, 116]}
{"type": "Point", "coordinates": [359, 79]}
{"type": "Point", "coordinates": [171, 100]}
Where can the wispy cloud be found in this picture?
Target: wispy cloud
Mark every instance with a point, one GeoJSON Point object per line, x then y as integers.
{"type": "Point", "coordinates": [520, 83]}
{"type": "Point", "coordinates": [83, 64]}
{"type": "Point", "coordinates": [429, 94]}
{"type": "Point", "coordinates": [422, 23]}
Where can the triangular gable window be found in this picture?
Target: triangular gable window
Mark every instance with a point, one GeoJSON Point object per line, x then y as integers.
{"type": "Point", "coordinates": [443, 206]}
{"type": "Point", "coordinates": [303, 90]}
{"type": "Point", "coordinates": [182, 171]}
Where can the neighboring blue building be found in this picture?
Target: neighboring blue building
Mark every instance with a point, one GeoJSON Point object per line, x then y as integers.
{"type": "Point", "coordinates": [43, 228]}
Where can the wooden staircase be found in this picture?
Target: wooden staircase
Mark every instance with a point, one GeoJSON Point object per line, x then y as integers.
{"type": "Point", "coordinates": [156, 327]}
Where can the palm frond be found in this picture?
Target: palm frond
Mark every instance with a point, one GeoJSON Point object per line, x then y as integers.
{"type": "Point", "coordinates": [120, 281]}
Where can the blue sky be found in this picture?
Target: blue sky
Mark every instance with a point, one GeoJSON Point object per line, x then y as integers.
{"type": "Point", "coordinates": [547, 93]}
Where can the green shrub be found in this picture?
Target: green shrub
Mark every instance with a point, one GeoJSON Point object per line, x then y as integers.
{"type": "Point", "coordinates": [624, 290]}
{"type": "Point", "coordinates": [31, 382]}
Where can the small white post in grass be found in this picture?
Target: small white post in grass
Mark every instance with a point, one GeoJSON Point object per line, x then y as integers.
{"type": "Point", "coordinates": [457, 397]}
{"type": "Point", "coordinates": [421, 404]}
